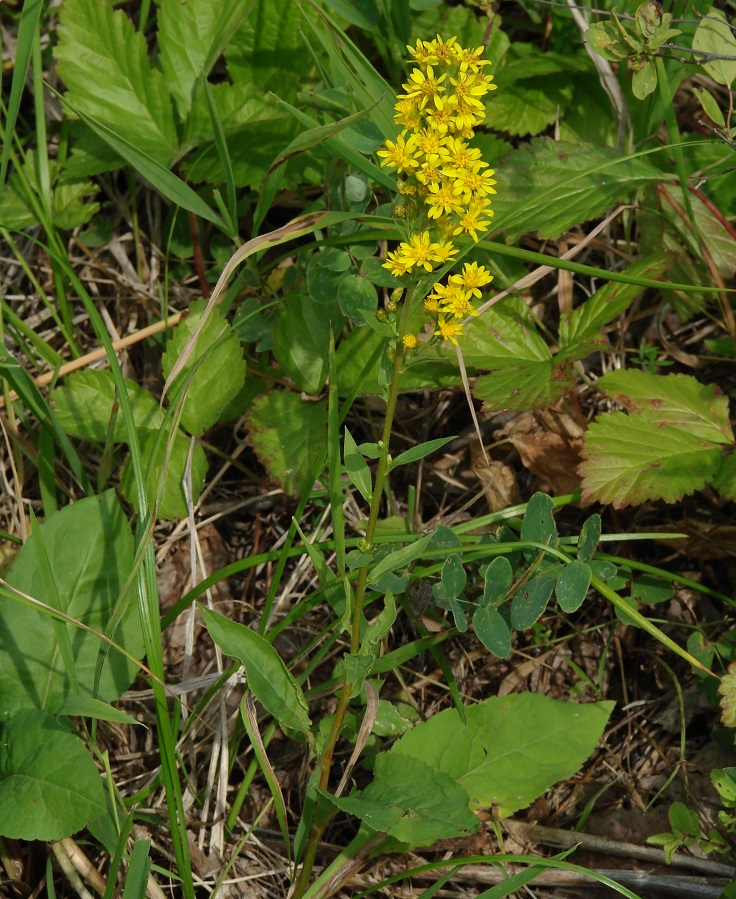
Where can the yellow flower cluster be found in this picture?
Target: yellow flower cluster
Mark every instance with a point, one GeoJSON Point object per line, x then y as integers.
{"type": "Point", "coordinates": [445, 185]}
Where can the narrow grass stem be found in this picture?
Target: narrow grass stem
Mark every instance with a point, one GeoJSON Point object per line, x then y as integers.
{"type": "Point", "coordinates": [325, 762]}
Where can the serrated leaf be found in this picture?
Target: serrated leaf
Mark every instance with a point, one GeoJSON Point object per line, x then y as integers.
{"type": "Point", "coordinates": [633, 458]}
{"type": "Point", "coordinates": [528, 385]}
{"type": "Point", "coordinates": [155, 453]}
{"type": "Point", "coordinates": [678, 401]}
{"type": "Point", "coordinates": [49, 785]}
{"type": "Point", "coordinates": [88, 580]}
{"type": "Point", "coordinates": [714, 36]}
{"type": "Point", "coordinates": [104, 63]}
{"type": "Point", "coordinates": [724, 479]}
{"type": "Point", "coordinates": [270, 681]}
{"type": "Point", "coordinates": [191, 36]}
{"type": "Point", "coordinates": [258, 50]}
{"type": "Point", "coordinates": [411, 802]}
{"type": "Point", "coordinates": [214, 370]}
{"type": "Point", "coordinates": [510, 749]}
{"type": "Point", "coordinates": [84, 406]}
{"type": "Point", "coordinates": [531, 601]}
{"type": "Point", "coordinates": [547, 186]}
{"type": "Point", "coordinates": [492, 630]}
{"type": "Point", "coordinates": [584, 325]}
{"type": "Point", "coordinates": [572, 585]}
{"type": "Point", "coordinates": [288, 436]}
{"type": "Point", "coordinates": [529, 106]}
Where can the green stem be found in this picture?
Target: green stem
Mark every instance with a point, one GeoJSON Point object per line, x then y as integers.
{"type": "Point", "coordinates": [673, 132]}
{"type": "Point", "coordinates": [325, 762]}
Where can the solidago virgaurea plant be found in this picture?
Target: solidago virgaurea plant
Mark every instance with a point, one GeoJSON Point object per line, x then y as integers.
{"type": "Point", "coordinates": [445, 185]}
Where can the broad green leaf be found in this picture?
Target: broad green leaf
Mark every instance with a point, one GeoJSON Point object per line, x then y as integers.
{"type": "Point", "coordinates": [269, 49]}
{"type": "Point", "coordinates": [678, 401]}
{"type": "Point", "coordinates": [325, 272]}
{"type": "Point", "coordinates": [270, 681]}
{"type": "Point", "coordinates": [104, 63]}
{"type": "Point", "coordinates": [453, 576]}
{"type": "Point", "coordinates": [493, 631]}
{"type": "Point", "coordinates": [650, 588]}
{"type": "Point", "coordinates": [583, 326]}
{"type": "Point", "coordinates": [419, 451]}
{"type": "Point", "coordinates": [288, 436]}
{"type": "Point", "coordinates": [49, 785]}
{"type": "Point", "coordinates": [548, 186]}
{"type": "Point", "coordinates": [214, 371]}
{"type": "Point", "coordinates": [301, 340]}
{"type": "Point", "coordinates": [191, 36]}
{"type": "Point", "coordinates": [499, 577]}
{"type": "Point", "coordinates": [634, 458]}
{"type": "Point", "coordinates": [357, 296]}
{"type": "Point", "coordinates": [394, 718]}
{"type": "Point", "coordinates": [531, 601]}
{"type": "Point", "coordinates": [724, 479]}
{"type": "Point", "coordinates": [155, 453]}
{"type": "Point", "coordinates": [572, 585]}
{"type": "Point", "coordinates": [715, 37]}
{"type": "Point", "coordinates": [90, 550]}
{"type": "Point", "coordinates": [590, 535]}
{"type": "Point", "coordinates": [504, 335]}
{"type": "Point", "coordinates": [411, 801]}
{"type": "Point", "coordinates": [84, 406]}
{"type": "Point", "coordinates": [357, 468]}
{"type": "Point", "coordinates": [529, 106]}
{"type": "Point", "coordinates": [524, 386]}
{"type": "Point", "coordinates": [539, 525]}
{"type": "Point", "coordinates": [399, 558]}
{"type": "Point", "coordinates": [511, 748]}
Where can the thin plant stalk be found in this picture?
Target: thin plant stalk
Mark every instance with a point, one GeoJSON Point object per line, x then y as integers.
{"type": "Point", "coordinates": [325, 761]}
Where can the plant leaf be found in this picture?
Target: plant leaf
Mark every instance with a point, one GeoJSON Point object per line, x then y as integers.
{"type": "Point", "coordinates": [214, 370]}
{"type": "Point", "coordinates": [511, 748]}
{"type": "Point", "coordinates": [583, 326]}
{"type": "Point", "coordinates": [288, 436]}
{"type": "Point", "coordinates": [84, 406]}
{"type": "Point", "coordinates": [270, 681]}
{"type": "Point", "coordinates": [172, 501]}
{"type": "Point", "coordinates": [399, 558]}
{"type": "Point", "coordinates": [531, 601]}
{"type": "Point", "coordinates": [104, 62]}
{"type": "Point", "coordinates": [714, 37]}
{"type": "Point", "coordinates": [88, 580]}
{"type": "Point", "coordinates": [493, 631]}
{"type": "Point", "coordinates": [634, 458]}
{"type": "Point", "coordinates": [678, 401]}
{"type": "Point", "coordinates": [411, 802]}
{"type": "Point", "coordinates": [49, 786]}
{"type": "Point", "coordinates": [572, 585]}
{"type": "Point", "coordinates": [547, 186]}
{"type": "Point", "coordinates": [191, 36]}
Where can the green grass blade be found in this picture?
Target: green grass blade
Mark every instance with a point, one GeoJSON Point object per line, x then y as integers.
{"type": "Point", "coordinates": [27, 34]}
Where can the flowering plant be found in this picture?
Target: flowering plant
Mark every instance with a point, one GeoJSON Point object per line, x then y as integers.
{"type": "Point", "coordinates": [445, 186]}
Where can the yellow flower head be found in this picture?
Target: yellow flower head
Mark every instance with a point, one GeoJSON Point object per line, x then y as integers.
{"type": "Point", "coordinates": [447, 184]}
